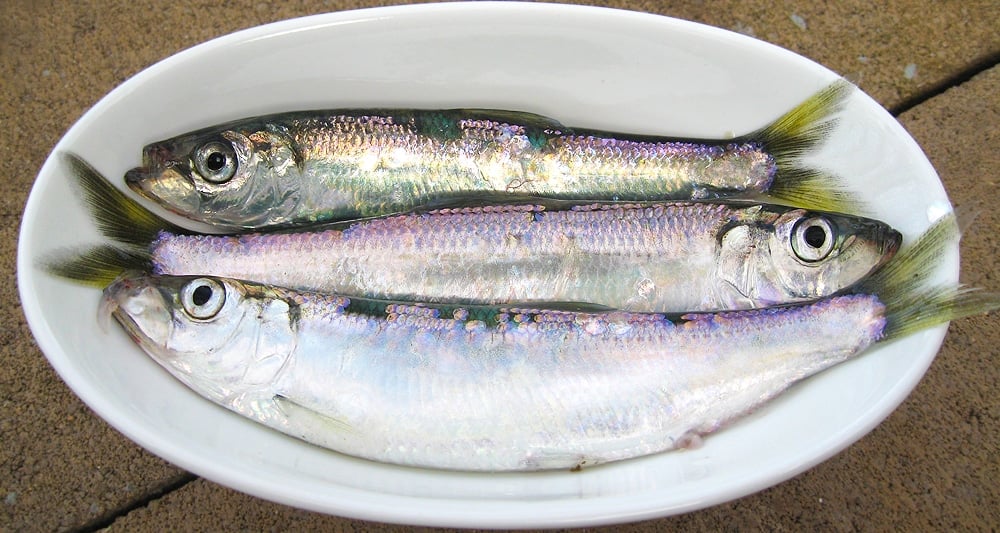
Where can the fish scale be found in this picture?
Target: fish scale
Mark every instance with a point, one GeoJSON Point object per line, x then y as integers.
{"type": "Point", "coordinates": [498, 156]}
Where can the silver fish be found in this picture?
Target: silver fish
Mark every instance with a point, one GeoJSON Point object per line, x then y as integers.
{"type": "Point", "coordinates": [317, 166]}
{"type": "Point", "coordinates": [653, 258]}
{"type": "Point", "coordinates": [499, 389]}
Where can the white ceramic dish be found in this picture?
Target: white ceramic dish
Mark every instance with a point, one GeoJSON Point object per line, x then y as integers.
{"type": "Point", "coordinates": [584, 66]}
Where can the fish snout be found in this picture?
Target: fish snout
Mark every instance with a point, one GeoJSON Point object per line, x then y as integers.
{"type": "Point", "coordinates": [168, 186]}
{"type": "Point", "coordinates": [155, 159]}
{"type": "Point", "coordinates": [135, 177]}
{"type": "Point", "coordinates": [887, 240]}
{"type": "Point", "coordinates": [140, 307]}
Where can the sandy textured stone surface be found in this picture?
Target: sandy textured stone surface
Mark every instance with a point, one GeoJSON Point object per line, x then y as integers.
{"type": "Point", "coordinates": [932, 465]}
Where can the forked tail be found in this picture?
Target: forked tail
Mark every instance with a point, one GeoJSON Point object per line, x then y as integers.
{"type": "Point", "coordinates": [794, 135]}
{"type": "Point", "coordinates": [119, 218]}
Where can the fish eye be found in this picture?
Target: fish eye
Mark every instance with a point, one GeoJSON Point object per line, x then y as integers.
{"type": "Point", "coordinates": [203, 298]}
{"type": "Point", "coordinates": [215, 161]}
{"type": "Point", "coordinates": [813, 239]}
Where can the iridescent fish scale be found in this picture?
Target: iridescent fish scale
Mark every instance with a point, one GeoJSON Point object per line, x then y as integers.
{"type": "Point", "coordinates": [489, 155]}
{"type": "Point", "coordinates": [668, 168]}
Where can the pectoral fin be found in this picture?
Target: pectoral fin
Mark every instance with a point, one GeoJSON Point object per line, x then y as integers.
{"type": "Point", "coordinates": [300, 416]}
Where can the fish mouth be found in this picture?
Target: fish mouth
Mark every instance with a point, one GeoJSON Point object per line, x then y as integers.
{"type": "Point", "coordinates": [889, 241]}
{"type": "Point", "coordinates": [141, 308]}
{"type": "Point", "coordinates": [880, 238]}
{"type": "Point", "coordinates": [166, 185]}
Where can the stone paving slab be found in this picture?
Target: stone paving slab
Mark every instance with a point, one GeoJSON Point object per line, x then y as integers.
{"type": "Point", "coordinates": [931, 464]}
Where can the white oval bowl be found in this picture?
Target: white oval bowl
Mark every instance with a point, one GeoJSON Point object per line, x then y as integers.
{"type": "Point", "coordinates": [590, 67]}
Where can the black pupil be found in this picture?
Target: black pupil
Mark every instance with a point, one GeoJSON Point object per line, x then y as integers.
{"type": "Point", "coordinates": [815, 236]}
{"type": "Point", "coordinates": [201, 295]}
{"type": "Point", "coordinates": [215, 161]}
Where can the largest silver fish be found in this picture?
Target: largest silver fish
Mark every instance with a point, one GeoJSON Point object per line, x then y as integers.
{"type": "Point", "coordinates": [500, 389]}
{"type": "Point", "coordinates": [304, 167]}
{"type": "Point", "coordinates": [678, 257]}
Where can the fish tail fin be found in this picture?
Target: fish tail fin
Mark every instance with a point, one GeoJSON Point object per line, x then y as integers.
{"type": "Point", "coordinates": [910, 306]}
{"type": "Point", "coordinates": [118, 217]}
{"type": "Point", "coordinates": [930, 307]}
{"type": "Point", "coordinates": [97, 266]}
{"type": "Point", "coordinates": [794, 135]}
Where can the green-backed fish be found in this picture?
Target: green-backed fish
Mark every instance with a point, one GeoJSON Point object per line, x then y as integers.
{"type": "Point", "coordinates": [501, 388]}
{"type": "Point", "coordinates": [304, 167]}
{"type": "Point", "coordinates": [674, 257]}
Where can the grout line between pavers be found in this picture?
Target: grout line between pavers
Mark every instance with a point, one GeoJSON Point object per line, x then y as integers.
{"type": "Point", "coordinates": [109, 518]}
{"type": "Point", "coordinates": [978, 67]}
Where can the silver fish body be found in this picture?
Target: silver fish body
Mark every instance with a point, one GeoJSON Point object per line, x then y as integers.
{"type": "Point", "coordinates": [511, 389]}
{"type": "Point", "coordinates": [478, 389]}
{"type": "Point", "coordinates": [656, 258]}
{"type": "Point", "coordinates": [305, 167]}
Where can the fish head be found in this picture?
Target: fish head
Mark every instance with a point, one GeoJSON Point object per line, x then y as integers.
{"type": "Point", "coordinates": [799, 255]}
{"type": "Point", "coordinates": [239, 177]}
{"type": "Point", "coordinates": [220, 337]}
